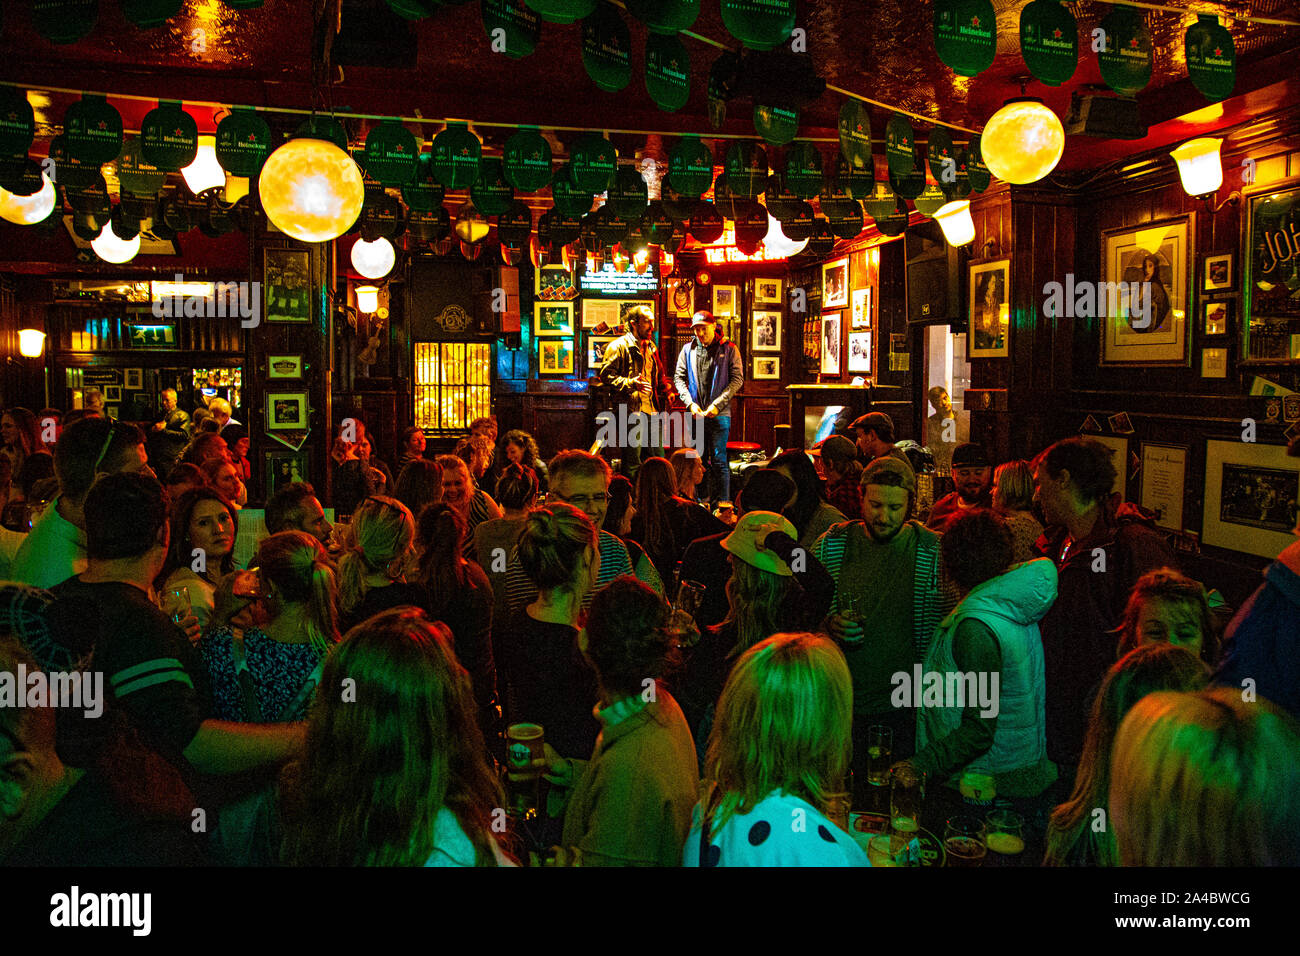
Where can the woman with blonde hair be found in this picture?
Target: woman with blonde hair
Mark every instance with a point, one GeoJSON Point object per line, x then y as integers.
{"type": "Point", "coordinates": [1013, 499]}
{"type": "Point", "coordinates": [372, 569]}
{"type": "Point", "coordinates": [773, 758]}
{"type": "Point", "coordinates": [459, 490]}
{"type": "Point", "coordinates": [395, 775]}
{"type": "Point", "coordinates": [546, 679]}
{"type": "Point", "coordinates": [1072, 838]}
{"type": "Point", "coordinates": [1166, 606]}
{"type": "Point", "coordinates": [688, 469]}
{"type": "Point", "coordinates": [283, 657]}
{"type": "Point", "coordinates": [1206, 779]}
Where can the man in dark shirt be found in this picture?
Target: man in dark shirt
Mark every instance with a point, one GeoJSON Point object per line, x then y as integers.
{"type": "Point", "coordinates": [156, 692]}
{"type": "Point", "coordinates": [973, 475]}
{"type": "Point", "coordinates": [169, 434]}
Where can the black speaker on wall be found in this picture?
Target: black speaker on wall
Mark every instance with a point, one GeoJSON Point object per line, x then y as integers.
{"type": "Point", "coordinates": [936, 278]}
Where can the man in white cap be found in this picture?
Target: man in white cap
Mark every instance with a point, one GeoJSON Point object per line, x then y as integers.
{"type": "Point", "coordinates": [709, 374]}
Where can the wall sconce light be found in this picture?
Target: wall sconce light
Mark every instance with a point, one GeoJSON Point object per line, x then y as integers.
{"type": "Point", "coordinates": [204, 172]}
{"type": "Point", "coordinates": [31, 343]}
{"type": "Point", "coordinates": [955, 220]}
{"type": "Point", "coordinates": [1201, 169]}
{"type": "Point", "coordinates": [367, 299]}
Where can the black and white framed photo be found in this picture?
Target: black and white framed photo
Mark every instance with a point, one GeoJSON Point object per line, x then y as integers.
{"type": "Point", "coordinates": [767, 366]}
{"type": "Point", "coordinates": [831, 342]}
{"type": "Point", "coordinates": [835, 284]}
{"type": "Point", "coordinates": [112, 393]}
{"type": "Point", "coordinates": [133, 379]}
{"type": "Point", "coordinates": [284, 366]}
{"type": "Point", "coordinates": [286, 411]}
{"type": "Point", "coordinates": [767, 291]}
{"type": "Point", "coordinates": [765, 328]}
{"type": "Point", "coordinates": [1218, 272]}
{"type": "Point", "coordinates": [859, 351]}
{"type": "Point", "coordinates": [1251, 491]}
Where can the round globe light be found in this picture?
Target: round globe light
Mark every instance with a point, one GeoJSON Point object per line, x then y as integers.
{"type": "Point", "coordinates": [374, 260]}
{"type": "Point", "coordinates": [28, 210]}
{"type": "Point", "coordinates": [311, 190]}
{"type": "Point", "coordinates": [112, 249]}
{"type": "Point", "coordinates": [1022, 142]}
{"type": "Point", "coordinates": [776, 243]}
{"type": "Point", "coordinates": [955, 220]}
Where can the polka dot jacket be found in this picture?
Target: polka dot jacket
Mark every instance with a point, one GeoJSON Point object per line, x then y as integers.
{"type": "Point", "coordinates": [782, 830]}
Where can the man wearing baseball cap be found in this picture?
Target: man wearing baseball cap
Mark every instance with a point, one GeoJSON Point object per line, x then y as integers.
{"type": "Point", "coordinates": [874, 435]}
{"type": "Point", "coordinates": [887, 599]}
{"type": "Point", "coordinates": [709, 374]}
{"type": "Point", "coordinates": [972, 473]}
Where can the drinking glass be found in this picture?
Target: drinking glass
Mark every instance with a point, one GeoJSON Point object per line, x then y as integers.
{"type": "Point", "coordinates": [888, 849]}
{"type": "Point", "coordinates": [880, 747]}
{"type": "Point", "coordinates": [524, 744]}
{"type": "Point", "coordinates": [966, 841]}
{"type": "Point", "coordinates": [176, 604]}
{"type": "Point", "coordinates": [1006, 832]}
{"type": "Point", "coordinates": [907, 790]}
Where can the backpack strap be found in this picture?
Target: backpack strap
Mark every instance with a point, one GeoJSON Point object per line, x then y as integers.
{"type": "Point", "coordinates": [252, 708]}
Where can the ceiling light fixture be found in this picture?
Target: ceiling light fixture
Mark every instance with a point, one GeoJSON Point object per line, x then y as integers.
{"type": "Point", "coordinates": [374, 260]}
{"type": "Point", "coordinates": [1023, 141]}
{"type": "Point", "coordinates": [311, 190]}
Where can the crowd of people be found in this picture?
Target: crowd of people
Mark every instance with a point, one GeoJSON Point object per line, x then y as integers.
{"type": "Point", "coordinates": [343, 696]}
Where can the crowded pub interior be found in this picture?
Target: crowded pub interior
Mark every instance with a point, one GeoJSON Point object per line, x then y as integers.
{"type": "Point", "coordinates": [538, 433]}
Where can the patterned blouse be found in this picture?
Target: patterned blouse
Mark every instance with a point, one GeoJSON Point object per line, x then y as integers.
{"type": "Point", "coordinates": [279, 671]}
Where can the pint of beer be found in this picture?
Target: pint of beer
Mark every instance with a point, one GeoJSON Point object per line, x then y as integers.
{"type": "Point", "coordinates": [524, 744]}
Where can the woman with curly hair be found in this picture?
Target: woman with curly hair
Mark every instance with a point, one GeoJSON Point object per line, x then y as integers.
{"type": "Point", "coordinates": [520, 448]}
{"type": "Point", "coordinates": [395, 775]}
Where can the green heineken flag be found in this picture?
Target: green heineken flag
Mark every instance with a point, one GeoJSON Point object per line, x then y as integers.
{"type": "Point", "coordinates": [1211, 58]}
{"type": "Point", "coordinates": [980, 177]}
{"type": "Point", "coordinates": [759, 24]}
{"type": "Point", "coordinates": [570, 201]}
{"type": "Point", "coordinates": [527, 160]}
{"type": "Point", "coordinates": [803, 169]}
{"type": "Point", "coordinates": [965, 34]}
{"type": "Point", "coordinates": [706, 223]}
{"type": "Point", "coordinates": [243, 142]}
{"type": "Point", "coordinates": [17, 122]}
{"type": "Point", "coordinates": [776, 124]}
{"type": "Point", "coordinates": [169, 137]}
{"type": "Point", "coordinates": [391, 153]}
{"type": "Point", "coordinates": [92, 130]}
{"type": "Point", "coordinates": [515, 224]}
{"type": "Point", "coordinates": [859, 183]}
{"type": "Point", "coordinates": [135, 176]}
{"type": "Point", "coordinates": [607, 49]}
{"type": "Point", "coordinates": [1127, 58]}
{"type": "Point", "coordinates": [667, 71]}
{"type": "Point", "coordinates": [855, 134]}
{"type": "Point", "coordinates": [1049, 41]}
{"type": "Point", "coordinates": [511, 26]}
{"type": "Point", "coordinates": [64, 21]}
{"type": "Point", "coordinates": [931, 200]}
{"type": "Point", "coordinates": [456, 153]}
{"type": "Point", "coordinates": [562, 11]}
{"type": "Point", "coordinates": [629, 194]}
{"type": "Point", "coordinates": [323, 127]}
{"type": "Point", "coordinates": [690, 167]}
{"type": "Point", "coordinates": [424, 193]}
{"type": "Point", "coordinates": [899, 145]}
{"type": "Point", "coordinates": [591, 164]}
{"type": "Point", "coordinates": [746, 168]}
{"type": "Point", "coordinates": [492, 194]}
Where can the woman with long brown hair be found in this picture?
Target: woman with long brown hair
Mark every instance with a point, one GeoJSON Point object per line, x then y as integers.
{"type": "Point", "coordinates": [1072, 839]}
{"type": "Point", "coordinates": [665, 524]}
{"type": "Point", "coordinates": [394, 774]}
{"type": "Point", "coordinates": [201, 521]}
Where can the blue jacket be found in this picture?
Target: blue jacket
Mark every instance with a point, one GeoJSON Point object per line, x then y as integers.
{"type": "Point", "coordinates": [1263, 641]}
{"type": "Point", "coordinates": [728, 376]}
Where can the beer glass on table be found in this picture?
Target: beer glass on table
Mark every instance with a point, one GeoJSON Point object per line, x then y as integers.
{"type": "Point", "coordinates": [880, 748]}
{"type": "Point", "coordinates": [1006, 832]}
{"type": "Point", "coordinates": [907, 790]}
{"type": "Point", "coordinates": [965, 840]}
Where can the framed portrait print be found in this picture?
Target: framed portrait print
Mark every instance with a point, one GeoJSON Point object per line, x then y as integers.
{"type": "Point", "coordinates": [830, 344]}
{"type": "Point", "coordinates": [765, 329]}
{"type": "Point", "coordinates": [767, 291]}
{"type": "Point", "coordinates": [767, 366]}
{"type": "Point", "coordinates": [283, 467]}
{"type": "Point", "coordinates": [1216, 316]}
{"type": "Point", "coordinates": [724, 300]}
{"type": "Point", "coordinates": [1143, 299]}
{"type": "Point", "coordinates": [835, 284]}
{"type": "Point", "coordinates": [861, 308]}
{"type": "Point", "coordinates": [859, 351]}
{"type": "Point", "coordinates": [284, 366]}
{"type": "Point", "coordinates": [989, 334]}
{"type": "Point", "coordinates": [1217, 273]}
{"type": "Point", "coordinates": [284, 284]}
{"type": "Point", "coordinates": [596, 345]}
{"type": "Point", "coordinates": [555, 356]}
{"type": "Point", "coordinates": [133, 379]}
{"type": "Point", "coordinates": [1251, 491]}
{"type": "Point", "coordinates": [553, 318]}
{"type": "Point", "coordinates": [286, 411]}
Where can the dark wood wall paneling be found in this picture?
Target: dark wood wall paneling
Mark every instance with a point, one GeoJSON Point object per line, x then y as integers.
{"type": "Point", "coordinates": [1054, 377]}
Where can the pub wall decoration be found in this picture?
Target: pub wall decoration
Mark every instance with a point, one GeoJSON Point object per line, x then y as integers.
{"type": "Point", "coordinates": [285, 274]}
{"type": "Point", "coordinates": [1271, 279]}
{"type": "Point", "coordinates": [990, 310]}
{"type": "Point", "coordinates": [1145, 319]}
{"type": "Point", "coordinates": [1251, 490]}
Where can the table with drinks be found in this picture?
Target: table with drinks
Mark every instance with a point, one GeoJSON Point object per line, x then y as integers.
{"type": "Point", "coordinates": [903, 819]}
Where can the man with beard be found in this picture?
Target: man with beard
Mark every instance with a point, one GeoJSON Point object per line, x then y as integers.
{"type": "Point", "coordinates": [887, 600]}
{"type": "Point", "coordinates": [973, 476]}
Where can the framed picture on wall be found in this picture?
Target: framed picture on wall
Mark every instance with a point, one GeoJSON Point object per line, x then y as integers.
{"type": "Point", "coordinates": [1217, 272]}
{"type": "Point", "coordinates": [596, 345]}
{"type": "Point", "coordinates": [767, 366]}
{"type": "Point", "coordinates": [989, 334]}
{"type": "Point", "coordinates": [1145, 271]}
{"type": "Point", "coordinates": [767, 291]}
{"type": "Point", "coordinates": [285, 274]}
{"type": "Point", "coordinates": [283, 467]}
{"type": "Point", "coordinates": [724, 300]}
{"type": "Point", "coordinates": [862, 308]}
{"type": "Point", "coordinates": [112, 393]}
{"type": "Point", "coordinates": [555, 357]}
{"type": "Point", "coordinates": [830, 343]}
{"type": "Point", "coordinates": [286, 411]}
{"type": "Point", "coordinates": [1270, 303]}
{"type": "Point", "coordinates": [133, 380]}
{"type": "Point", "coordinates": [554, 284]}
{"type": "Point", "coordinates": [553, 318]}
{"type": "Point", "coordinates": [1251, 491]}
{"type": "Point", "coordinates": [1164, 471]}
{"type": "Point", "coordinates": [859, 351]}
{"type": "Point", "coordinates": [766, 332]}
{"type": "Point", "coordinates": [284, 366]}
{"type": "Point", "coordinates": [1216, 315]}
{"type": "Point", "coordinates": [597, 312]}
{"type": "Point", "coordinates": [835, 284]}
{"type": "Point", "coordinates": [681, 298]}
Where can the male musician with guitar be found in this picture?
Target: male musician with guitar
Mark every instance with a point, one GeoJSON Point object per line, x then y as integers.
{"type": "Point", "coordinates": [632, 372]}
